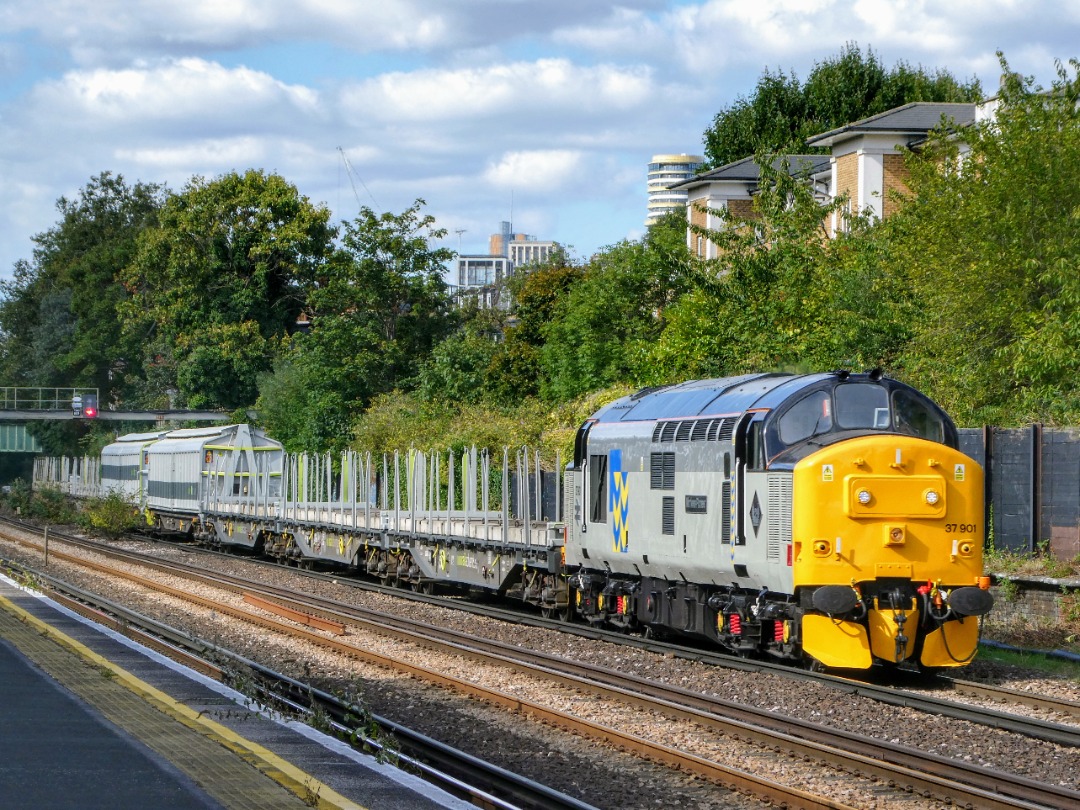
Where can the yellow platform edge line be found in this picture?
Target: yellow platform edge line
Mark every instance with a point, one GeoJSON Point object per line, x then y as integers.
{"type": "Point", "coordinates": [281, 771]}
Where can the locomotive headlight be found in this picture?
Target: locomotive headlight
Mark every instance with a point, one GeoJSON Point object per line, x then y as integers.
{"type": "Point", "coordinates": [932, 497]}
{"type": "Point", "coordinates": [864, 496]}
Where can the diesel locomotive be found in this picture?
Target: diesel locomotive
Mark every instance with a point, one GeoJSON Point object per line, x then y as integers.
{"type": "Point", "coordinates": [827, 519]}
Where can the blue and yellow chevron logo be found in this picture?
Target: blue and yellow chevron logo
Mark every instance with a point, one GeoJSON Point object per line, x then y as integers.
{"type": "Point", "coordinates": [618, 502]}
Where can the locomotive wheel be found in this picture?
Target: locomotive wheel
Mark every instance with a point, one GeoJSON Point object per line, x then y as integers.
{"type": "Point", "coordinates": [563, 614]}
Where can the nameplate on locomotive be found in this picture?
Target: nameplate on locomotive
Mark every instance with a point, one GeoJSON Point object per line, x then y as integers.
{"type": "Point", "coordinates": [697, 504]}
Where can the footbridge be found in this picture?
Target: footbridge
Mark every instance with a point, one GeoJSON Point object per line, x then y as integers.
{"type": "Point", "coordinates": [19, 405]}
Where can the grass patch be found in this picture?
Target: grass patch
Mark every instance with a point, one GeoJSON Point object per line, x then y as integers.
{"type": "Point", "coordinates": [1031, 661]}
{"type": "Point", "coordinates": [1038, 563]}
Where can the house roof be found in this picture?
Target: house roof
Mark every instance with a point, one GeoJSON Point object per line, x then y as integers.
{"type": "Point", "coordinates": [916, 118]}
{"type": "Point", "coordinates": [748, 171]}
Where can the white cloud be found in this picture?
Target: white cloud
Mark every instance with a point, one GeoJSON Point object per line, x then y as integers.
{"type": "Point", "coordinates": [105, 31]}
{"type": "Point", "coordinates": [501, 90]}
{"type": "Point", "coordinates": [184, 93]}
{"type": "Point", "coordinates": [549, 107]}
{"type": "Point", "coordinates": [540, 171]}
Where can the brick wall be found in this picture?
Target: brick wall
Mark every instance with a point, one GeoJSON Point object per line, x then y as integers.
{"type": "Point", "coordinates": [1026, 605]}
{"type": "Point", "coordinates": [699, 215]}
{"type": "Point", "coordinates": [743, 209]}
{"type": "Point", "coordinates": [895, 180]}
{"type": "Point", "coordinates": [1035, 614]}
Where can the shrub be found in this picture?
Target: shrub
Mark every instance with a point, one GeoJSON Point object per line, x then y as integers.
{"type": "Point", "coordinates": [111, 516]}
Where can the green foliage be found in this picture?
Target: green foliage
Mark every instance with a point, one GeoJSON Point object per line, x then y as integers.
{"type": "Point", "coordinates": [402, 421]}
{"type": "Point", "coordinates": [772, 119]}
{"type": "Point", "coordinates": [1039, 563]}
{"type": "Point", "coordinates": [991, 248]}
{"type": "Point", "coordinates": [378, 308]}
{"type": "Point", "coordinates": [111, 516]}
{"type": "Point", "coordinates": [46, 505]}
{"type": "Point", "coordinates": [601, 330]}
{"type": "Point", "coordinates": [218, 282]}
{"type": "Point", "coordinates": [517, 370]}
{"type": "Point", "coordinates": [458, 367]}
{"type": "Point", "coordinates": [60, 312]}
{"type": "Point", "coordinates": [769, 301]}
{"type": "Point", "coordinates": [1055, 667]}
{"type": "Point", "coordinates": [782, 113]}
{"type": "Point", "coordinates": [18, 497]}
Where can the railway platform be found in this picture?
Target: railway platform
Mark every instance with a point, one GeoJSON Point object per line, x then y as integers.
{"type": "Point", "coordinates": [91, 720]}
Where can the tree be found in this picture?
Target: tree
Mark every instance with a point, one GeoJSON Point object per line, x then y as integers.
{"type": "Point", "coordinates": [782, 295]}
{"type": "Point", "coordinates": [991, 245]}
{"type": "Point", "coordinates": [602, 328]}
{"type": "Point", "coordinates": [60, 323]}
{"type": "Point", "coordinates": [218, 282]}
{"type": "Point", "coordinates": [458, 367]}
{"type": "Point", "coordinates": [59, 314]}
{"type": "Point", "coordinates": [379, 306]}
{"type": "Point", "coordinates": [772, 119]}
{"type": "Point", "coordinates": [517, 370]}
{"type": "Point", "coordinates": [782, 113]}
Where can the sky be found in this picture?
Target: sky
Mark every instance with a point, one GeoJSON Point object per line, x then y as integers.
{"type": "Point", "coordinates": [544, 113]}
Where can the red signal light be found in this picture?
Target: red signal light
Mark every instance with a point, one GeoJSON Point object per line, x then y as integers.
{"type": "Point", "coordinates": [89, 411]}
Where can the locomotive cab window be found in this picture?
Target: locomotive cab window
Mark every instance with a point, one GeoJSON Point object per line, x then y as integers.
{"type": "Point", "coordinates": [861, 405]}
{"type": "Point", "coordinates": [755, 446]}
{"type": "Point", "coordinates": [913, 415]}
{"type": "Point", "coordinates": [808, 417]}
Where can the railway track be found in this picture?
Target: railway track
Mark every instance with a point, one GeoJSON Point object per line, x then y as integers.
{"type": "Point", "coordinates": [927, 775]}
{"type": "Point", "coordinates": [924, 697]}
{"type": "Point", "coordinates": [1004, 695]}
{"type": "Point", "coordinates": [455, 771]}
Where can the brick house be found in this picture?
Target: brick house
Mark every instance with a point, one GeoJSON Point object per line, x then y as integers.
{"type": "Point", "coordinates": [865, 161]}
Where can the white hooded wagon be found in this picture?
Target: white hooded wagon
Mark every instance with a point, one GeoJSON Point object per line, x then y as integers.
{"type": "Point", "coordinates": [234, 469]}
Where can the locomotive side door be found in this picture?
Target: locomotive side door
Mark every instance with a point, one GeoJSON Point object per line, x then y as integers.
{"type": "Point", "coordinates": [751, 496]}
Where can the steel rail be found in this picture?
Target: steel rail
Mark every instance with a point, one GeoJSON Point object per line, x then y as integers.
{"type": "Point", "coordinates": [1001, 694]}
{"type": "Point", "coordinates": [891, 695]}
{"type": "Point", "coordinates": [716, 772]}
{"type": "Point", "coordinates": [457, 772]}
{"type": "Point", "coordinates": [923, 772]}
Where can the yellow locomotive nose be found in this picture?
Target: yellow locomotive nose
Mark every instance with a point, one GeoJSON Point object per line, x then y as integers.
{"type": "Point", "coordinates": [886, 515]}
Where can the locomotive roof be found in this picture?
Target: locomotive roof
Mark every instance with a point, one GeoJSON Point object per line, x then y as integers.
{"type": "Point", "coordinates": [724, 395]}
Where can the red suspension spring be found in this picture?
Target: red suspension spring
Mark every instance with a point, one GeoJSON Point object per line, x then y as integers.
{"type": "Point", "coordinates": [778, 631]}
{"type": "Point", "coordinates": [735, 624]}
